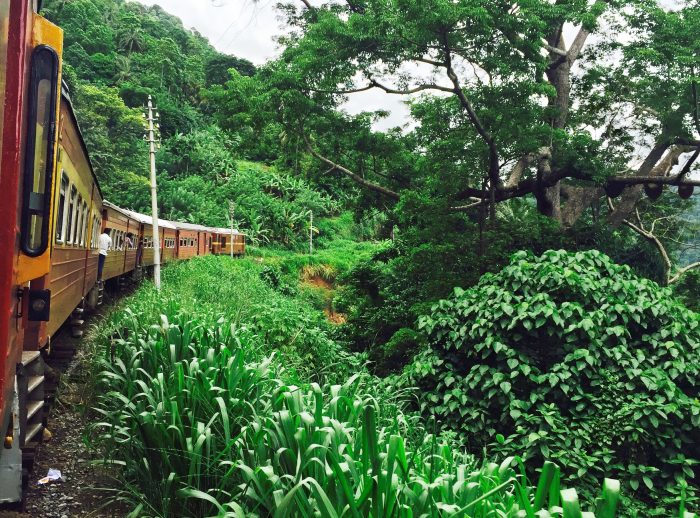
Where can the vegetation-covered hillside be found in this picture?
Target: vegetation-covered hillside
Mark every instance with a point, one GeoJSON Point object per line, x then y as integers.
{"type": "Point", "coordinates": [119, 52]}
{"type": "Point", "coordinates": [535, 126]}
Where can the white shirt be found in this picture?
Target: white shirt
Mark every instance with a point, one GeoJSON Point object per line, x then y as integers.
{"type": "Point", "coordinates": [104, 243]}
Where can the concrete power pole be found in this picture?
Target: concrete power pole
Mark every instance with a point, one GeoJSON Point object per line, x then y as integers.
{"type": "Point", "coordinates": [151, 118]}
{"type": "Point", "coordinates": [231, 213]}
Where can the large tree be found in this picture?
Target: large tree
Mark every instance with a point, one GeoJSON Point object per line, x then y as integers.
{"type": "Point", "coordinates": [564, 100]}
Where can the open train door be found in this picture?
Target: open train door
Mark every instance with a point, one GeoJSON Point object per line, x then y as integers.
{"type": "Point", "coordinates": [30, 66]}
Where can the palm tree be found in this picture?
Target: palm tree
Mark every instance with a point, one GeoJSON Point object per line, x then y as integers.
{"type": "Point", "coordinates": [131, 40]}
{"type": "Point", "coordinates": [123, 65]}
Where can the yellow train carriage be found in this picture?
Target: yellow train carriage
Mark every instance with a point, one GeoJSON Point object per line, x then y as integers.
{"type": "Point", "coordinates": [123, 229]}
{"type": "Point", "coordinates": [77, 224]}
{"type": "Point", "coordinates": [166, 233]}
{"type": "Point", "coordinates": [226, 242]}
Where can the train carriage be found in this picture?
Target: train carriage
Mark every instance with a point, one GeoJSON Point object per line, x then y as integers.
{"type": "Point", "coordinates": [187, 240]}
{"type": "Point", "coordinates": [30, 70]}
{"type": "Point", "coordinates": [167, 233]}
{"type": "Point", "coordinates": [51, 215]}
{"type": "Point", "coordinates": [77, 221]}
{"type": "Point", "coordinates": [225, 241]}
{"type": "Point", "coordinates": [123, 229]}
{"type": "Point", "coordinates": [202, 238]}
{"type": "Point", "coordinates": [169, 241]}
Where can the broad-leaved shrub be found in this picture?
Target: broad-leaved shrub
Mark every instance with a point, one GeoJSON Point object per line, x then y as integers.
{"type": "Point", "coordinates": [572, 358]}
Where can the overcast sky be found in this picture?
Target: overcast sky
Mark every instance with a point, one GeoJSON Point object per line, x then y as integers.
{"type": "Point", "coordinates": [248, 29]}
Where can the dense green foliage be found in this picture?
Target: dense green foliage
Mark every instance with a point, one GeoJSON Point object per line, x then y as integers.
{"type": "Point", "coordinates": [204, 419]}
{"type": "Point", "coordinates": [571, 358]}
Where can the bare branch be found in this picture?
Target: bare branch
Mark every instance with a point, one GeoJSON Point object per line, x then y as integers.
{"type": "Point", "coordinates": [518, 169]}
{"type": "Point", "coordinates": [414, 90]}
{"type": "Point", "coordinates": [682, 271]}
{"type": "Point", "coordinates": [651, 237]}
{"type": "Point", "coordinates": [577, 45]}
{"type": "Point", "coordinates": [689, 163]}
{"type": "Point", "coordinates": [665, 180]}
{"type": "Point", "coordinates": [430, 62]}
{"type": "Point", "coordinates": [555, 50]}
{"type": "Point", "coordinates": [387, 89]}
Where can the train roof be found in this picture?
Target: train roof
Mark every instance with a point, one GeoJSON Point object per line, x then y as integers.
{"type": "Point", "coordinates": [65, 95]}
{"type": "Point", "coordinates": [223, 230]}
{"type": "Point", "coordinates": [191, 226]}
{"type": "Point", "coordinates": [144, 218]}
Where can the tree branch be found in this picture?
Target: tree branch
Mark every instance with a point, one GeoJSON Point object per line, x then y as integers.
{"type": "Point", "coordinates": [651, 237]}
{"type": "Point", "coordinates": [494, 167]}
{"type": "Point", "coordinates": [356, 177]}
{"type": "Point", "coordinates": [577, 45]}
{"type": "Point", "coordinates": [555, 50]}
{"type": "Point", "coordinates": [665, 180]}
{"type": "Point", "coordinates": [682, 271]}
{"type": "Point", "coordinates": [375, 84]}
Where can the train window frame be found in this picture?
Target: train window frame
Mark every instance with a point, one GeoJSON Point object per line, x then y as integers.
{"type": "Point", "coordinates": [37, 176]}
{"type": "Point", "coordinates": [83, 237]}
{"type": "Point", "coordinates": [78, 221]}
{"type": "Point", "coordinates": [70, 215]}
{"type": "Point", "coordinates": [61, 212]}
{"type": "Point", "coordinates": [92, 233]}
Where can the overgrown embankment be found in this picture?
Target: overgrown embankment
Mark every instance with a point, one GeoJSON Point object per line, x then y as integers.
{"type": "Point", "coordinates": [222, 395]}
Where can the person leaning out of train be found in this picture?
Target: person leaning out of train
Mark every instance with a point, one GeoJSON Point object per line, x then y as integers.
{"type": "Point", "coordinates": [105, 244]}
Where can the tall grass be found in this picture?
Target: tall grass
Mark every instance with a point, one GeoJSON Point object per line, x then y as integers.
{"type": "Point", "coordinates": [201, 430]}
{"type": "Point", "coordinates": [208, 417]}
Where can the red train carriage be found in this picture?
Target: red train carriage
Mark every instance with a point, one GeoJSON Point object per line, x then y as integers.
{"type": "Point", "coordinates": [30, 68]}
{"type": "Point", "coordinates": [187, 240]}
{"type": "Point", "coordinates": [77, 222]}
{"type": "Point", "coordinates": [124, 231]}
{"type": "Point", "coordinates": [202, 238]}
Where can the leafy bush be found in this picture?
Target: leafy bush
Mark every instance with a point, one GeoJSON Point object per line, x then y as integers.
{"type": "Point", "coordinates": [572, 358]}
{"type": "Point", "coordinates": [271, 276]}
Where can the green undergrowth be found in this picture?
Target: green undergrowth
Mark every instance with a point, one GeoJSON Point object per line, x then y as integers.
{"type": "Point", "coordinates": [221, 396]}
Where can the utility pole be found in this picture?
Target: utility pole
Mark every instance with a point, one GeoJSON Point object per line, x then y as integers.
{"type": "Point", "coordinates": [151, 118]}
{"type": "Point", "coordinates": [311, 233]}
{"type": "Point", "coordinates": [231, 213]}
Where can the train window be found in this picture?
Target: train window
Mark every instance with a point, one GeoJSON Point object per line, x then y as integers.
{"type": "Point", "coordinates": [40, 150]}
{"type": "Point", "coordinates": [83, 236]}
{"type": "Point", "coordinates": [78, 217]}
{"type": "Point", "coordinates": [71, 214]}
{"type": "Point", "coordinates": [60, 217]}
{"type": "Point", "coordinates": [98, 231]}
{"type": "Point", "coordinates": [92, 233]}
{"type": "Point", "coordinates": [78, 221]}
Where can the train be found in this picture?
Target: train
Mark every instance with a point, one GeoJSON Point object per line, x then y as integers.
{"type": "Point", "coordinates": [52, 213]}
